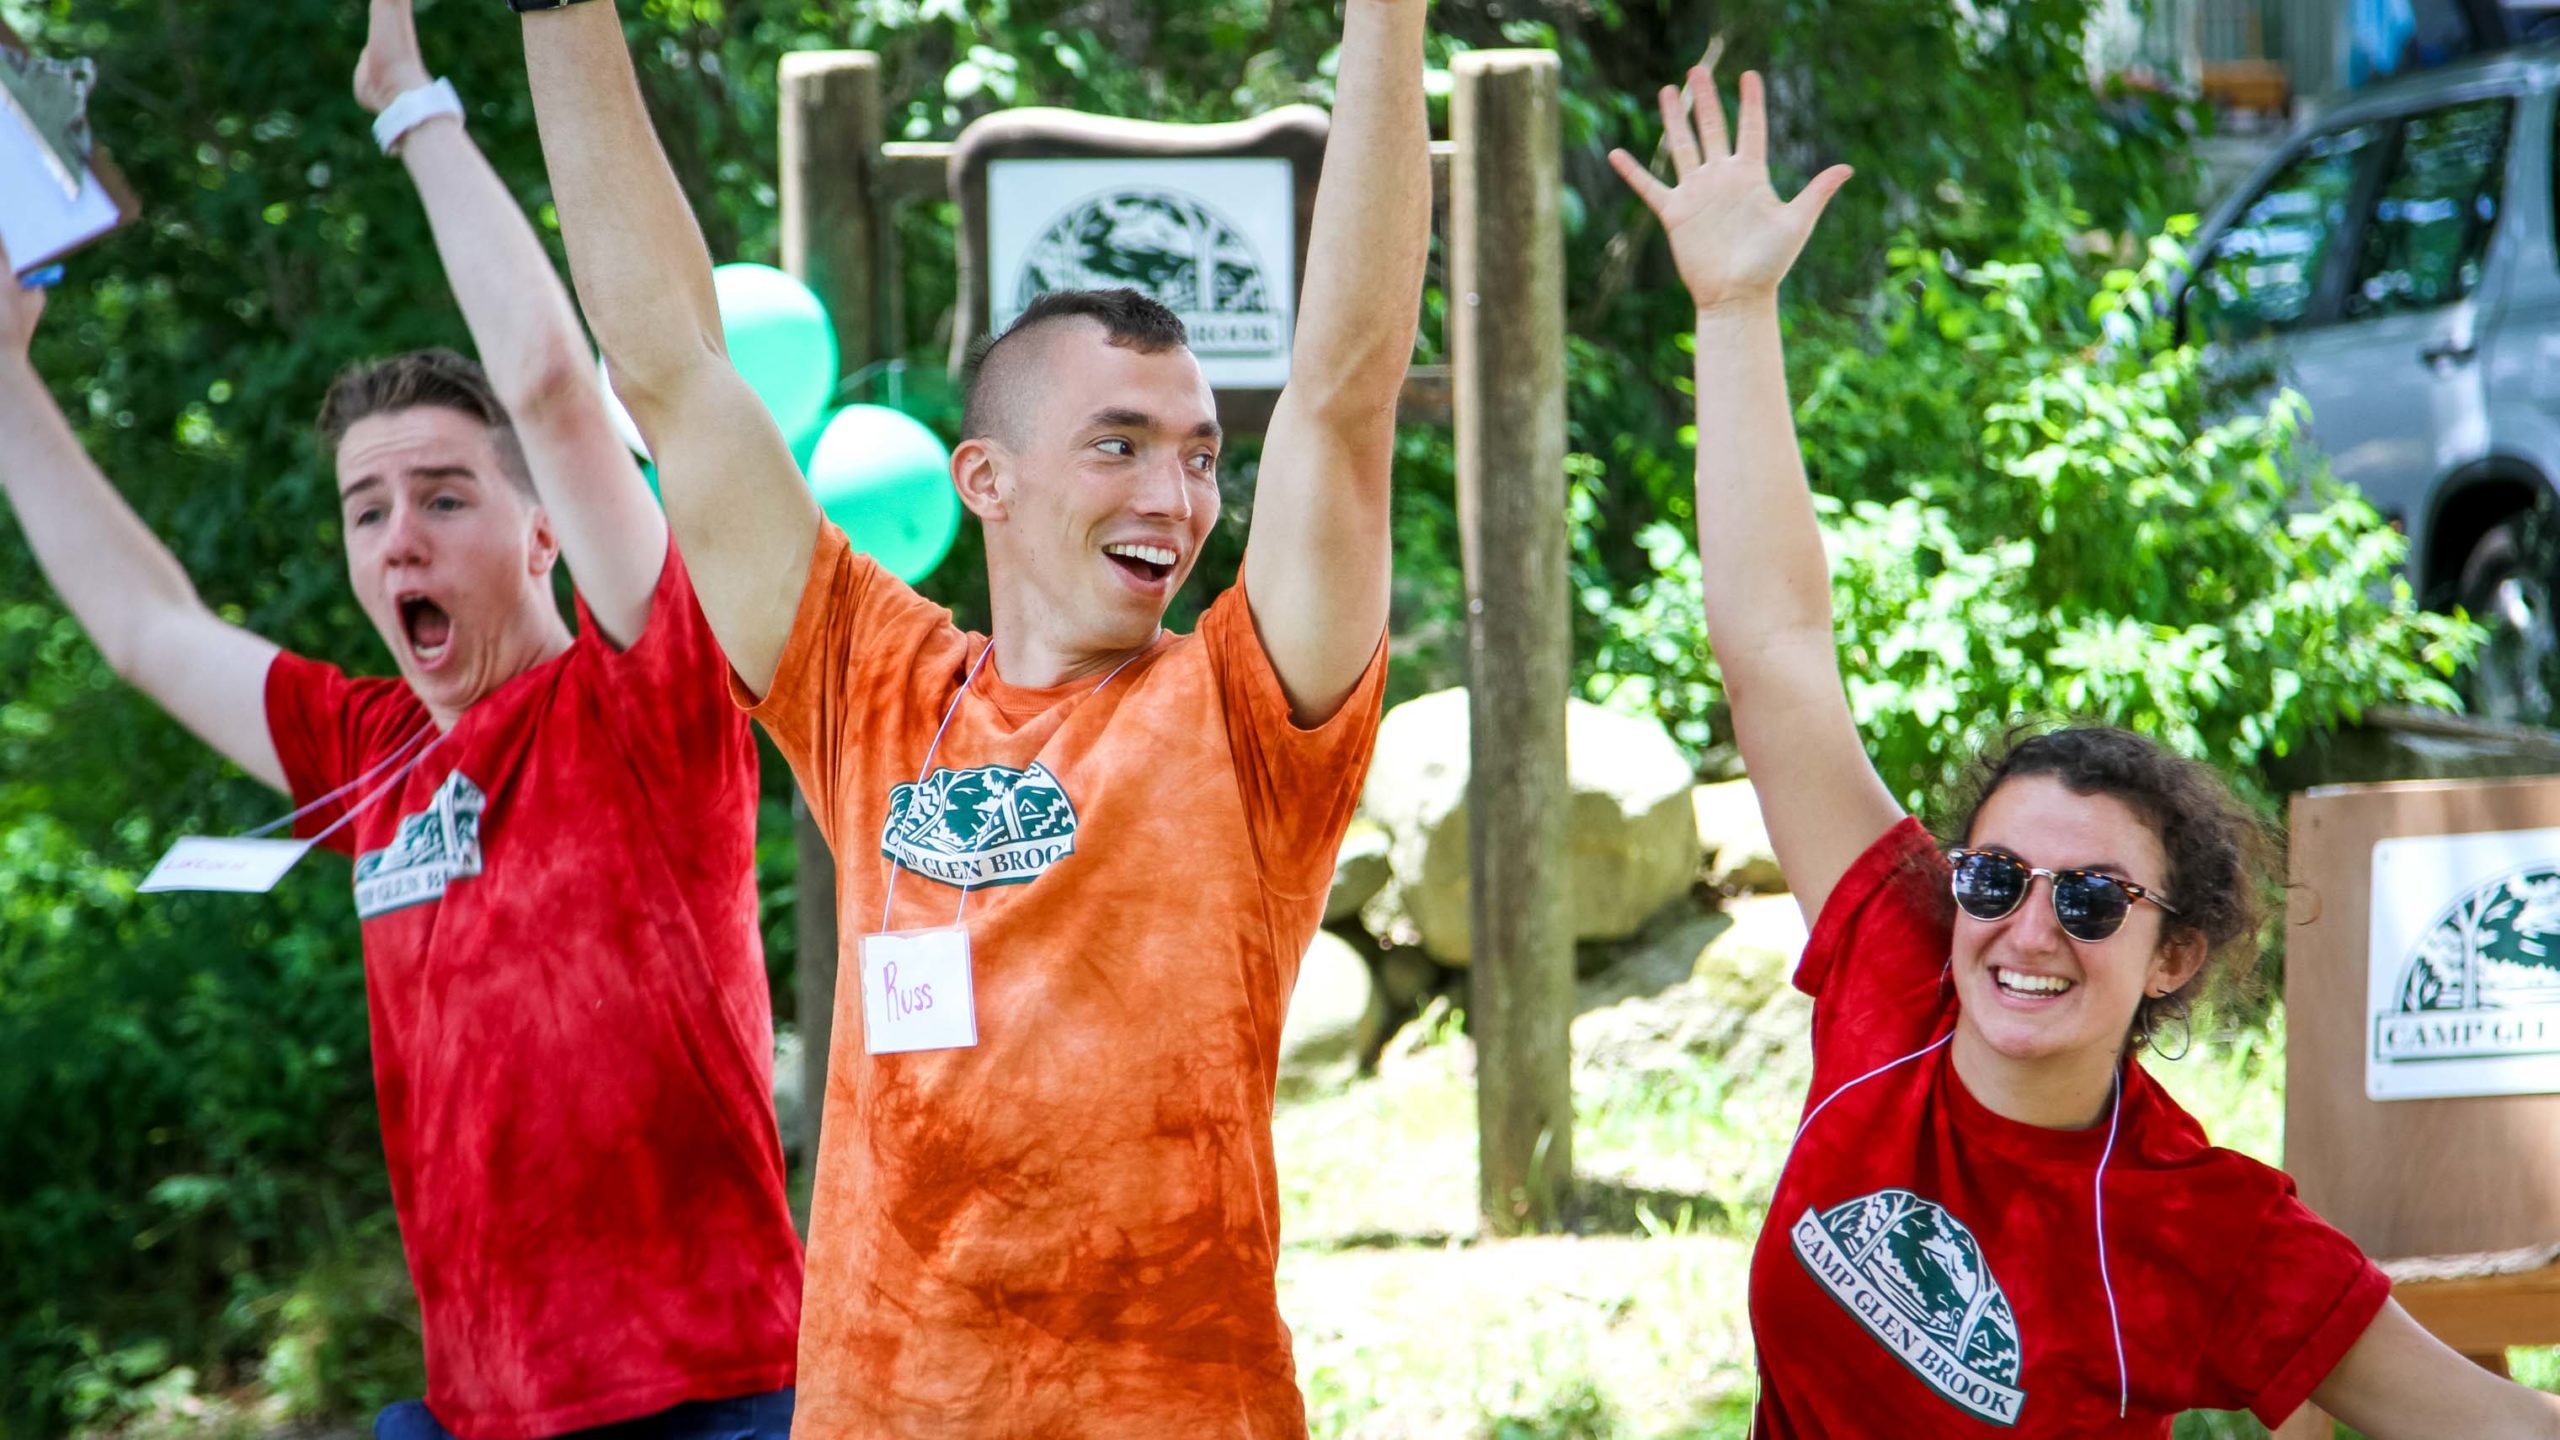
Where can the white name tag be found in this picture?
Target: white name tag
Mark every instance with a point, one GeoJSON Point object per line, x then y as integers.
{"type": "Point", "coordinates": [242, 867]}
{"type": "Point", "coordinates": [916, 992]}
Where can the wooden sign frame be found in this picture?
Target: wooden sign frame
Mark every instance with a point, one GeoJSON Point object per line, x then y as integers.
{"type": "Point", "coordinates": [1295, 133]}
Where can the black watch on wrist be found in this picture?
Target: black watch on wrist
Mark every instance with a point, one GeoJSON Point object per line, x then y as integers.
{"type": "Point", "coordinates": [521, 6]}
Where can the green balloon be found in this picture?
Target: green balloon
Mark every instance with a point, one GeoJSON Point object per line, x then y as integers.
{"type": "Point", "coordinates": [886, 479]}
{"type": "Point", "coordinates": [781, 341]}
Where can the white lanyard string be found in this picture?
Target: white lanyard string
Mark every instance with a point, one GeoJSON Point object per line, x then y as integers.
{"type": "Point", "coordinates": [1861, 1080]}
{"type": "Point", "coordinates": [891, 897]}
{"type": "Point", "coordinates": [2098, 1190]}
{"type": "Point", "coordinates": [362, 805]}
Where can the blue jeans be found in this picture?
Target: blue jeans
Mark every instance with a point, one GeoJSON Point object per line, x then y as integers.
{"type": "Point", "coordinates": [745, 1417]}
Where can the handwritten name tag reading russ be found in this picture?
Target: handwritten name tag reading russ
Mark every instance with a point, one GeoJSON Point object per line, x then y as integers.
{"type": "Point", "coordinates": [916, 991]}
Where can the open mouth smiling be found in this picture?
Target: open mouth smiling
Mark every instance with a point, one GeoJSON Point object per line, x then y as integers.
{"type": "Point", "coordinates": [1152, 564]}
{"type": "Point", "coordinates": [2030, 987]}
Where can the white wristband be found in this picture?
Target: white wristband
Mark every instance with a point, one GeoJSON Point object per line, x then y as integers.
{"type": "Point", "coordinates": [414, 109]}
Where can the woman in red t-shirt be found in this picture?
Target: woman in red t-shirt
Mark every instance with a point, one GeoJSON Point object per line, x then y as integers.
{"type": "Point", "coordinates": [1993, 1220]}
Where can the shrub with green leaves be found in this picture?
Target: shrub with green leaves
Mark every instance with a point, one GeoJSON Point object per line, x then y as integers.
{"type": "Point", "coordinates": [2038, 505]}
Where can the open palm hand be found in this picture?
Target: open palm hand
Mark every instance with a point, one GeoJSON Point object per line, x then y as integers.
{"type": "Point", "coordinates": [1731, 235]}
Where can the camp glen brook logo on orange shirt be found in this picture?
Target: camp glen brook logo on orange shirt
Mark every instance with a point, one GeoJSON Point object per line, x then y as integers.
{"type": "Point", "coordinates": [1914, 1276]}
{"type": "Point", "coordinates": [993, 825]}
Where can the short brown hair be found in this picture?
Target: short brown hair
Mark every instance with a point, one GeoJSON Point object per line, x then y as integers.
{"type": "Point", "coordinates": [2222, 856]}
{"type": "Point", "coordinates": [1131, 319]}
{"type": "Point", "coordinates": [436, 377]}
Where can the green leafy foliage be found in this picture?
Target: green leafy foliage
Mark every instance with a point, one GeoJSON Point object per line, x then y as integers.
{"type": "Point", "coordinates": [2038, 506]}
{"type": "Point", "coordinates": [2163, 556]}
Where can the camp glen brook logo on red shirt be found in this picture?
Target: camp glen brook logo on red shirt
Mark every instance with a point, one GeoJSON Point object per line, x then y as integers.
{"type": "Point", "coordinates": [1913, 1275]}
{"type": "Point", "coordinates": [993, 825]}
{"type": "Point", "coordinates": [437, 845]}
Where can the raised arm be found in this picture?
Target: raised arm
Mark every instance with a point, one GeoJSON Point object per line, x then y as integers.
{"type": "Point", "coordinates": [121, 583]}
{"type": "Point", "coordinates": [2397, 1382]}
{"type": "Point", "coordinates": [737, 501]}
{"type": "Point", "coordinates": [529, 341]}
{"type": "Point", "coordinates": [1316, 564]}
{"type": "Point", "coordinates": [1768, 586]}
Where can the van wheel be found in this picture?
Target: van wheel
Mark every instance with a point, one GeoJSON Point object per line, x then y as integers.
{"type": "Point", "coordinates": [2508, 593]}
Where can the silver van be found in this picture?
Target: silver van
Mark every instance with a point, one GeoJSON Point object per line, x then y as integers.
{"type": "Point", "coordinates": [2397, 255]}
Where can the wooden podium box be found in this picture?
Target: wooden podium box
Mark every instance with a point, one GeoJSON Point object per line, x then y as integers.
{"type": "Point", "coordinates": [2458, 1197]}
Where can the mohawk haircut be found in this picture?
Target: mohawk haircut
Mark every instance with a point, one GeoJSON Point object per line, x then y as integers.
{"type": "Point", "coordinates": [437, 377]}
{"type": "Point", "coordinates": [1130, 319]}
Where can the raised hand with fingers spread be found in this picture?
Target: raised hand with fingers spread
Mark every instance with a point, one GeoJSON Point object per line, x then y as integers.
{"type": "Point", "coordinates": [1731, 235]}
{"type": "Point", "coordinates": [1768, 597]}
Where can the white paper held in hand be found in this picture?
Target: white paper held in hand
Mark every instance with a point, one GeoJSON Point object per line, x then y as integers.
{"type": "Point", "coordinates": [917, 992]}
{"type": "Point", "coordinates": [52, 200]}
{"type": "Point", "coordinates": [237, 866]}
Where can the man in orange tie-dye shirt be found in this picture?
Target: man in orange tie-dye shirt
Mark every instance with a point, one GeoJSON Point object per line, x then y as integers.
{"type": "Point", "coordinates": [1079, 859]}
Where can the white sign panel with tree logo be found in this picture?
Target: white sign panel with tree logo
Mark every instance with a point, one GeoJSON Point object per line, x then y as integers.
{"type": "Point", "coordinates": [1214, 239]}
{"type": "Point", "coordinates": [2463, 971]}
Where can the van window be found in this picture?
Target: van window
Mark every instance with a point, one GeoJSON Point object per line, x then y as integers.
{"type": "Point", "coordinates": [2264, 271]}
{"type": "Point", "coordinates": [2428, 236]}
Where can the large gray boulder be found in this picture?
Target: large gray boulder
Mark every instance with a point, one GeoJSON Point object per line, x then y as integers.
{"type": "Point", "coordinates": [790, 1097]}
{"type": "Point", "coordinates": [1735, 838]}
{"type": "Point", "coordinates": [1406, 978]}
{"type": "Point", "coordinates": [1417, 795]}
{"type": "Point", "coordinates": [1334, 1014]}
{"type": "Point", "coordinates": [1360, 870]}
{"type": "Point", "coordinates": [1631, 831]}
{"type": "Point", "coordinates": [1728, 998]}
{"type": "Point", "coordinates": [1757, 954]}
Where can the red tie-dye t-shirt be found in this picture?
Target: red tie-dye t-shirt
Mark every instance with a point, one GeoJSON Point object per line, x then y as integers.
{"type": "Point", "coordinates": [1070, 1229]}
{"type": "Point", "coordinates": [1930, 1268]}
{"type": "Point", "coordinates": [572, 1038]}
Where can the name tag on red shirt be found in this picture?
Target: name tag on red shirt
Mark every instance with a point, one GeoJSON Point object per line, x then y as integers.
{"type": "Point", "coordinates": [239, 867]}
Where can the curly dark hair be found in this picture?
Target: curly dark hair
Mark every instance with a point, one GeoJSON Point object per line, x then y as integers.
{"type": "Point", "coordinates": [2222, 855]}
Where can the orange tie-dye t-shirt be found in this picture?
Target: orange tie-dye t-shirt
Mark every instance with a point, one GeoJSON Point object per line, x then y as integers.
{"type": "Point", "coordinates": [1071, 1228]}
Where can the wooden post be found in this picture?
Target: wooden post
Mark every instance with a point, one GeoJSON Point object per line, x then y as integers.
{"type": "Point", "coordinates": [831, 240]}
{"type": "Point", "coordinates": [831, 211]}
{"type": "Point", "coordinates": [1506, 307]}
